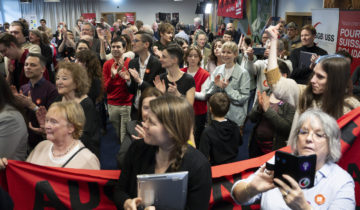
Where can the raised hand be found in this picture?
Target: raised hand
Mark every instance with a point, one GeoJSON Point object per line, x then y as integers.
{"type": "Point", "coordinates": [40, 116]}
{"type": "Point", "coordinates": [141, 132]}
{"type": "Point", "coordinates": [159, 84]}
{"type": "Point", "coordinates": [264, 100]}
{"type": "Point", "coordinates": [221, 83]}
{"type": "Point", "coordinates": [173, 89]}
{"type": "Point", "coordinates": [125, 75]}
{"type": "Point", "coordinates": [135, 75]}
{"type": "Point", "coordinates": [293, 195]}
{"type": "Point", "coordinates": [273, 32]}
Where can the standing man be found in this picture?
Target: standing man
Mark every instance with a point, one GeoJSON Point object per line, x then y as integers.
{"type": "Point", "coordinates": [48, 31]}
{"type": "Point", "coordinates": [37, 92]}
{"type": "Point", "coordinates": [166, 36]}
{"type": "Point", "coordinates": [20, 30]}
{"type": "Point", "coordinates": [118, 96]}
{"type": "Point", "coordinates": [88, 29]}
{"type": "Point", "coordinates": [142, 69]}
{"type": "Point", "coordinates": [236, 35]}
{"type": "Point", "coordinates": [301, 74]}
{"type": "Point", "coordinates": [200, 42]}
{"type": "Point", "coordinates": [292, 36]}
{"type": "Point", "coordinates": [10, 48]}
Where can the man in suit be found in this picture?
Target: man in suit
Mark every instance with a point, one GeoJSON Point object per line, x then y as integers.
{"type": "Point", "coordinates": [142, 69]}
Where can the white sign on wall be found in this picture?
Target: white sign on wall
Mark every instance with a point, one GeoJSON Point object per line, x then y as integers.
{"type": "Point", "coordinates": [326, 22]}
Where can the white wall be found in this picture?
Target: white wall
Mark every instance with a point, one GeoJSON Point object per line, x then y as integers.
{"type": "Point", "coordinates": [297, 6]}
{"type": "Point", "coordinates": [146, 9]}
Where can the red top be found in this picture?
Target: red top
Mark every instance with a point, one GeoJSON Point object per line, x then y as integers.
{"type": "Point", "coordinates": [200, 107]}
{"type": "Point", "coordinates": [116, 88]}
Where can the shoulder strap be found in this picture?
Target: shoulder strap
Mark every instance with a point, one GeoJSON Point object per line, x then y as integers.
{"type": "Point", "coordinates": [72, 157]}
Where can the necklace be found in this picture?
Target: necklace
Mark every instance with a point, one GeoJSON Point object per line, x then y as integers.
{"type": "Point", "coordinates": [64, 153]}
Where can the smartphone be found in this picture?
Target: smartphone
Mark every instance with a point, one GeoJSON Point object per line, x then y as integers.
{"type": "Point", "coordinates": [259, 50]}
{"type": "Point", "coordinates": [300, 168]}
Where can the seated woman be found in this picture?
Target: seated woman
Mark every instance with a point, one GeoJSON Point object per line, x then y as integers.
{"type": "Point", "coordinates": [316, 133]}
{"type": "Point", "coordinates": [134, 129]}
{"type": "Point", "coordinates": [165, 149]}
{"type": "Point", "coordinates": [13, 130]}
{"type": "Point", "coordinates": [63, 125]}
{"type": "Point", "coordinates": [328, 89]}
{"type": "Point", "coordinates": [72, 83]}
{"type": "Point", "coordinates": [175, 81]}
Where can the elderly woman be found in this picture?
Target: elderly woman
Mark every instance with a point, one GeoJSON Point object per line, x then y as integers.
{"type": "Point", "coordinates": [72, 83]}
{"type": "Point", "coordinates": [64, 123]}
{"type": "Point", "coordinates": [165, 149]}
{"type": "Point", "coordinates": [316, 133]}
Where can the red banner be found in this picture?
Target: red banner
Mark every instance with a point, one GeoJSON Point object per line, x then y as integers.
{"type": "Point", "coordinates": [349, 35]}
{"type": "Point", "coordinates": [88, 16]}
{"type": "Point", "coordinates": [130, 17]}
{"type": "Point", "coordinates": [231, 8]}
{"type": "Point", "coordinates": [38, 187]}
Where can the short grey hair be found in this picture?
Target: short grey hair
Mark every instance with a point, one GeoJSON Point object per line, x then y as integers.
{"type": "Point", "coordinates": [330, 128]}
{"type": "Point", "coordinates": [91, 26]}
{"type": "Point", "coordinates": [197, 34]}
{"type": "Point", "coordinates": [147, 28]}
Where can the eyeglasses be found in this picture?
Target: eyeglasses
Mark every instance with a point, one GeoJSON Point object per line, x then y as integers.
{"type": "Point", "coordinates": [317, 136]}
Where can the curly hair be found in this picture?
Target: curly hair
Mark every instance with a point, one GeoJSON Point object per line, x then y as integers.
{"type": "Point", "coordinates": [212, 56]}
{"type": "Point", "coordinates": [79, 76]}
{"type": "Point", "coordinates": [93, 67]}
{"type": "Point", "coordinates": [187, 53]}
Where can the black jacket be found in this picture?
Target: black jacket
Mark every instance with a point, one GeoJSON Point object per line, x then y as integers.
{"type": "Point", "coordinates": [302, 75]}
{"type": "Point", "coordinates": [154, 67]}
{"type": "Point", "coordinates": [220, 141]}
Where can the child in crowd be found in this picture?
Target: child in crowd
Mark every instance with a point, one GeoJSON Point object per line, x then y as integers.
{"type": "Point", "coordinates": [220, 141]}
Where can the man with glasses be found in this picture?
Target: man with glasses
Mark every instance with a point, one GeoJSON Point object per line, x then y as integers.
{"type": "Point", "coordinates": [142, 69]}
{"type": "Point", "coordinates": [118, 97]}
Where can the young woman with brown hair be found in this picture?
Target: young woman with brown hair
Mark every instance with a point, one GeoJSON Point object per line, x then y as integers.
{"type": "Point", "coordinates": [165, 149]}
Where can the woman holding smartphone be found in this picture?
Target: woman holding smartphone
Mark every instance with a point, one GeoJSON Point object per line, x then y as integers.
{"type": "Point", "coordinates": [316, 133]}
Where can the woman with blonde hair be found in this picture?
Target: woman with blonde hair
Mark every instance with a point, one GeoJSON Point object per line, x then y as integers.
{"type": "Point", "coordinates": [234, 80]}
{"type": "Point", "coordinates": [63, 125]}
{"type": "Point", "coordinates": [165, 149]}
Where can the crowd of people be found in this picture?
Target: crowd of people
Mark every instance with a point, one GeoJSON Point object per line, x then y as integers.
{"type": "Point", "coordinates": [178, 99]}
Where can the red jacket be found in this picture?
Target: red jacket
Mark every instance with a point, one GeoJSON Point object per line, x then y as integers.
{"type": "Point", "coordinates": [200, 107]}
{"type": "Point", "coordinates": [116, 88]}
